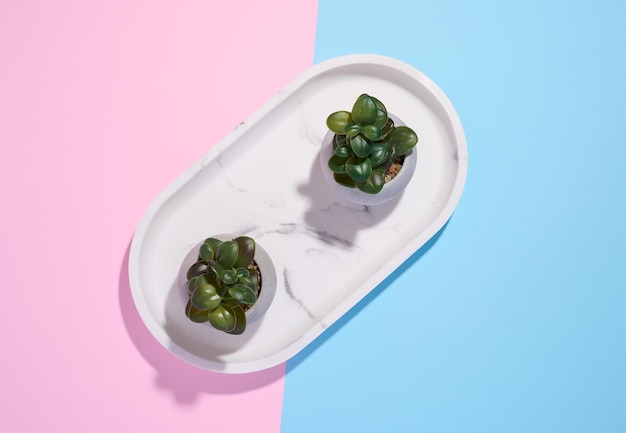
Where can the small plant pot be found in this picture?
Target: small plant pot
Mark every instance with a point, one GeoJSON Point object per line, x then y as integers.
{"type": "Point", "coordinates": [391, 190]}
{"type": "Point", "coordinates": [266, 271]}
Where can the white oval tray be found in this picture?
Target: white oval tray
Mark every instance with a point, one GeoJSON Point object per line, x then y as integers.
{"type": "Point", "coordinates": [264, 180]}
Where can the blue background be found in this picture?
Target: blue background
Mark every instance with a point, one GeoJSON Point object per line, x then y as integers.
{"type": "Point", "coordinates": [512, 319]}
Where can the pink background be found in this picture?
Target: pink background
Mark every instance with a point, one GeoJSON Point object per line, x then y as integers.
{"type": "Point", "coordinates": [102, 104]}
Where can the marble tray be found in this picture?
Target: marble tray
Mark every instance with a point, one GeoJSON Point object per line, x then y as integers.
{"type": "Point", "coordinates": [264, 180]}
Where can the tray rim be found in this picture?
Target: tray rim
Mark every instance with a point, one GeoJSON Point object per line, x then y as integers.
{"type": "Point", "coordinates": [356, 296]}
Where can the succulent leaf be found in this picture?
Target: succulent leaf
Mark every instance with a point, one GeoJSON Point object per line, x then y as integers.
{"type": "Point", "coordinates": [372, 132]}
{"type": "Point", "coordinates": [232, 302]}
{"type": "Point", "coordinates": [198, 268]}
{"type": "Point", "coordinates": [388, 127]}
{"type": "Point", "coordinates": [381, 119]}
{"type": "Point", "coordinates": [342, 151]}
{"type": "Point", "coordinates": [338, 120]}
{"type": "Point", "coordinates": [352, 129]}
{"type": "Point", "coordinates": [198, 281]}
{"type": "Point", "coordinates": [339, 140]}
{"type": "Point", "coordinates": [379, 153]}
{"type": "Point", "coordinates": [374, 183]}
{"type": "Point", "coordinates": [191, 284]}
{"type": "Point", "coordinates": [252, 280]}
{"type": "Point", "coordinates": [337, 164]}
{"type": "Point", "coordinates": [247, 282]}
{"type": "Point", "coordinates": [358, 169]}
{"type": "Point", "coordinates": [360, 146]}
{"type": "Point", "coordinates": [242, 272]}
{"type": "Point", "coordinates": [223, 318]}
{"type": "Point", "coordinates": [215, 268]}
{"type": "Point", "coordinates": [201, 280]}
{"type": "Point", "coordinates": [229, 276]}
{"type": "Point", "coordinates": [226, 254]}
{"type": "Point", "coordinates": [240, 321]}
{"type": "Point", "coordinates": [364, 110]}
{"type": "Point", "coordinates": [194, 314]}
{"type": "Point", "coordinates": [207, 252]}
{"type": "Point", "coordinates": [344, 179]}
{"type": "Point", "coordinates": [242, 293]}
{"type": "Point", "coordinates": [381, 114]}
{"type": "Point", "coordinates": [213, 243]}
{"type": "Point", "coordinates": [379, 104]}
{"type": "Point", "coordinates": [247, 249]}
{"type": "Point", "coordinates": [211, 278]}
{"type": "Point", "coordinates": [205, 297]}
{"type": "Point", "coordinates": [403, 139]}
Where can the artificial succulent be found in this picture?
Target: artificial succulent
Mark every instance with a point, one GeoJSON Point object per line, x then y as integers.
{"type": "Point", "coordinates": [365, 144]}
{"type": "Point", "coordinates": [223, 283]}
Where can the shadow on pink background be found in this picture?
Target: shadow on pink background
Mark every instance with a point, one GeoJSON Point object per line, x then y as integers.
{"type": "Point", "coordinates": [183, 380]}
{"type": "Point", "coordinates": [101, 106]}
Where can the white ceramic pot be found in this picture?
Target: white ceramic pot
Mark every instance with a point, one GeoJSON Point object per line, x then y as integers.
{"type": "Point", "coordinates": [391, 189]}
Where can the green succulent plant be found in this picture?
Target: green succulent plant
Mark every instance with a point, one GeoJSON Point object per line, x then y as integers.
{"type": "Point", "coordinates": [365, 144]}
{"type": "Point", "coordinates": [223, 283]}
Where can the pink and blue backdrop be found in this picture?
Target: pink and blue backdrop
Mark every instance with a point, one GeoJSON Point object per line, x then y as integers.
{"type": "Point", "coordinates": [517, 320]}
